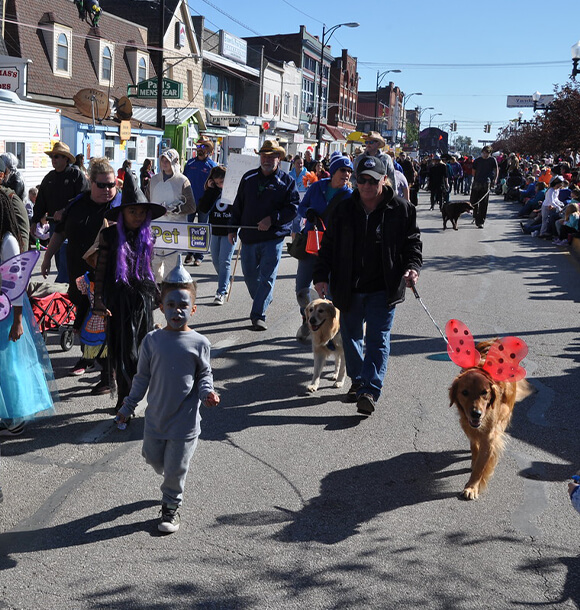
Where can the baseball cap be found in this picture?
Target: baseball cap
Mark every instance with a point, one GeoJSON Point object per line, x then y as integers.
{"type": "Point", "coordinates": [371, 166]}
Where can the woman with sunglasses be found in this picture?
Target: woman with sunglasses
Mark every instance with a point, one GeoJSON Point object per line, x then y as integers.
{"type": "Point", "coordinates": [319, 200]}
{"type": "Point", "coordinates": [80, 224]}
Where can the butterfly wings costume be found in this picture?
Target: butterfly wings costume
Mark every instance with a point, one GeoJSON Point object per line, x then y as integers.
{"type": "Point", "coordinates": [25, 370]}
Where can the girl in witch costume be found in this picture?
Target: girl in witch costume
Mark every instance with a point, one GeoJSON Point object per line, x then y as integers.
{"type": "Point", "coordinates": [125, 290]}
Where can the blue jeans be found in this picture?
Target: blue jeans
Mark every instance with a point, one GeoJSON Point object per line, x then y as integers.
{"type": "Point", "coordinates": [260, 266]}
{"type": "Point", "coordinates": [201, 219]}
{"type": "Point", "coordinates": [367, 367]}
{"type": "Point", "coordinates": [221, 256]}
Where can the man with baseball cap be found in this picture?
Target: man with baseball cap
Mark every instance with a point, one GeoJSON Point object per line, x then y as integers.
{"type": "Point", "coordinates": [370, 252]}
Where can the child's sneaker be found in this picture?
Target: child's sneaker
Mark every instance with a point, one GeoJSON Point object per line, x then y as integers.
{"type": "Point", "coordinates": [219, 299]}
{"type": "Point", "coordinates": [169, 522]}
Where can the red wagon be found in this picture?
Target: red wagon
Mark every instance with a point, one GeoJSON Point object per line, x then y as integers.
{"type": "Point", "coordinates": [55, 313]}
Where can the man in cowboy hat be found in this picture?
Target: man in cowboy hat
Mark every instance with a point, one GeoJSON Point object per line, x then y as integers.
{"type": "Point", "coordinates": [57, 188]}
{"type": "Point", "coordinates": [374, 143]}
{"type": "Point", "coordinates": [197, 171]}
{"type": "Point", "coordinates": [262, 212]}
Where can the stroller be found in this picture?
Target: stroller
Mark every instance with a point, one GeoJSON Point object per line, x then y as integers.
{"type": "Point", "coordinates": [53, 311]}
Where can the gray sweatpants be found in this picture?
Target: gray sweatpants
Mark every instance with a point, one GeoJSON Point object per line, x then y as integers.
{"type": "Point", "coordinates": [170, 459]}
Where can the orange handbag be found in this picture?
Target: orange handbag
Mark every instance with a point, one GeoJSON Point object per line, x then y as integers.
{"type": "Point", "coordinates": [314, 239]}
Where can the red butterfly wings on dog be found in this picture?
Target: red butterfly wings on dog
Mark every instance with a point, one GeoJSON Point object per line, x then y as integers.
{"type": "Point", "coordinates": [503, 359]}
{"type": "Point", "coordinates": [461, 346]}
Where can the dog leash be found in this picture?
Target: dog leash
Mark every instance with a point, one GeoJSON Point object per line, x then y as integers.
{"type": "Point", "coordinates": [427, 312]}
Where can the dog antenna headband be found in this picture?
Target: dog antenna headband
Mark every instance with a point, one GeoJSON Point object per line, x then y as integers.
{"type": "Point", "coordinates": [502, 361]}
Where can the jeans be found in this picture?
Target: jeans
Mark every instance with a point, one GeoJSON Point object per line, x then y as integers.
{"type": "Point", "coordinates": [260, 266]}
{"type": "Point", "coordinates": [61, 265]}
{"type": "Point", "coordinates": [367, 367]}
{"type": "Point", "coordinates": [221, 256]}
{"type": "Point", "coordinates": [467, 180]}
{"type": "Point", "coordinates": [170, 458]}
{"type": "Point", "coordinates": [202, 220]}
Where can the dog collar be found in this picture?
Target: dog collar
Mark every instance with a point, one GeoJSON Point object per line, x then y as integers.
{"type": "Point", "coordinates": [330, 345]}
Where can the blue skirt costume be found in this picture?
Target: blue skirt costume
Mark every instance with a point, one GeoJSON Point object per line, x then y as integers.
{"type": "Point", "coordinates": [27, 386]}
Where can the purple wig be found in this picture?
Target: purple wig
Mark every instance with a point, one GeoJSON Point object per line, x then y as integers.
{"type": "Point", "coordinates": [135, 263]}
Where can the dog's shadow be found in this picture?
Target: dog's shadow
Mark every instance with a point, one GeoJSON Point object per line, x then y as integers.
{"type": "Point", "coordinates": [353, 496]}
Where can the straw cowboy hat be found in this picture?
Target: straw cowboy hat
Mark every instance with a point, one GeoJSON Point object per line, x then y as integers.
{"type": "Point", "coordinates": [270, 147]}
{"type": "Point", "coordinates": [205, 142]}
{"type": "Point", "coordinates": [375, 135]}
{"type": "Point", "coordinates": [60, 149]}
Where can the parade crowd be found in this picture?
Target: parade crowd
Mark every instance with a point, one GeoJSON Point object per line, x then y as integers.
{"type": "Point", "coordinates": [95, 225]}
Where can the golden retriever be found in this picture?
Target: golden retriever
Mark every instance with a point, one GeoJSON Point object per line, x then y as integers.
{"type": "Point", "coordinates": [485, 410]}
{"type": "Point", "coordinates": [323, 320]}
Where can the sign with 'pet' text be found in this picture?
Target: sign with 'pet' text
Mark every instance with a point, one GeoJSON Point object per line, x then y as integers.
{"type": "Point", "coordinates": [179, 236]}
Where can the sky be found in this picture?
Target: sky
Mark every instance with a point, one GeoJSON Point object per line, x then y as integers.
{"type": "Point", "coordinates": [464, 57]}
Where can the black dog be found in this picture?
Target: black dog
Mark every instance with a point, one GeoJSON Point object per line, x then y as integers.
{"type": "Point", "coordinates": [453, 210]}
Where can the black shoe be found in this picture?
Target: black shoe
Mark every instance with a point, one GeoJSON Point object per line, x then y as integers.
{"type": "Point", "coordinates": [101, 388]}
{"type": "Point", "coordinates": [169, 522]}
{"type": "Point", "coordinates": [365, 404]}
{"type": "Point", "coordinates": [1, 496]}
{"type": "Point", "coordinates": [351, 394]}
{"type": "Point", "coordinates": [83, 366]}
{"type": "Point", "coordinates": [188, 259]}
{"type": "Point", "coordinates": [15, 431]}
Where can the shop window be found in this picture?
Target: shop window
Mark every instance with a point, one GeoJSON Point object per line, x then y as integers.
{"type": "Point", "coordinates": [132, 149]}
{"type": "Point", "coordinates": [151, 147]}
{"type": "Point", "coordinates": [266, 103]}
{"type": "Point", "coordinates": [110, 148]}
{"type": "Point", "coordinates": [18, 149]}
{"type": "Point", "coordinates": [276, 105]}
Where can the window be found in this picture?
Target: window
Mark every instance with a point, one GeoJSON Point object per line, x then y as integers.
{"type": "Point", "coordinates": [62, 53]}
{"type": "Point", "coordinates": [307, 95]}
{"type": "Point", "coordinates": [142, 70]}
{"type": "Point", "coordinates": [218, 92]}
{"type": "Point", "coordinates": [295, 105]}
{"type": "Point", "coordinates": [132, 149]}
{"type": "Point", "coordinates": [310, 63]}
{"type": "Point", "coordinates": [107, 66]}
{"type": "Point", "coordinates": [211, 94]}
{"type": "Point", "coordinates": [276, 105]}
{"type": "Point", "coordinates": [151, 147]}
{"type": "Point", "coordinates": [110, 148]}
{"type": "Point", "coordinates": [18, 149]}
{"type": "Point", "coordinates": [286, 103]}
{"type": "Point", "coordinates": [266, 103]}
{"type": "Point", "coordinates": [189, 85]}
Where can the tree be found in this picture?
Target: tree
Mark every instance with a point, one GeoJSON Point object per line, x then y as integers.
{"type": "Point", "coordinates": [412, 134]}
{"type": "Point", "coordinates": [463, 144]}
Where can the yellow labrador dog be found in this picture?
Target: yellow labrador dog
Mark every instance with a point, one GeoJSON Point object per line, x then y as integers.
{"type": "Point", "coordinates": [323, 320]}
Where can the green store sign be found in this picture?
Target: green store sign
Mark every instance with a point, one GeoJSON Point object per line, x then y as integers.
{"type": "Point", "coordinates": [147, 89]}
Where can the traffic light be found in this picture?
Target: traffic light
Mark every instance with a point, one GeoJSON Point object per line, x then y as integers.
{"type": "Point", "coordinates": [487, 128]}
{"type": "Point", "coordinates": [454, 126]}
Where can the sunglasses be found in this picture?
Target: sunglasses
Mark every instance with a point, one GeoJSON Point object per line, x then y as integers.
{"type": "Point", "coordinates": [364, 179]}
{"type": "Point", "coordinates": [58, 156]}
{"type": "Point", "coordinates": [105, 185]}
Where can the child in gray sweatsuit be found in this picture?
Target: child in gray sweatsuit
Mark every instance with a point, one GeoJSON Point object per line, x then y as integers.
{"type": "Point", "coordinates": [174, 365]}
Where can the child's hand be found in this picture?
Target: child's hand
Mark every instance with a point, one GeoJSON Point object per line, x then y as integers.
{"type": "Point", "coordinates": [120, 418]}
{"type": "Point", "coordinates": [212, 399]}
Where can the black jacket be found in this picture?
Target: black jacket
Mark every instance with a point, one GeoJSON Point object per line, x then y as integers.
{"type": "Point", "coordinates": [344, 240]}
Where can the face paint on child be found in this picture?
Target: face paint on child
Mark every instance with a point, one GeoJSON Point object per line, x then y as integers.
{"type": "Point", "coordinates": [134, 216]}
{"type": "Point", "coordinates": [177, 308]}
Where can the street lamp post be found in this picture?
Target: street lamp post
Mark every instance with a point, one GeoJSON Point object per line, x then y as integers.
{"type": "Point", "coordinates": [421, 111]}
{"type": "Point", "coordinates": [431, 117]}
{"type": "Point", "coordinates": [380, 77]}
{"type": "Point", "coordinates": [406, 98]}
{"type": "Point", "coordinates": [326, 36]}
{"type": "Point", "coordinates": [575, 59]}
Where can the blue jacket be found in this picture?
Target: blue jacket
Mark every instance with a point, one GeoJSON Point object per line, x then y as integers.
{"type": "Point", "coordinates": [315, 199]}
{"type": "Point", "coordinates": [197, 172]}
{"type": "Point", "coordinates": [260, 196]}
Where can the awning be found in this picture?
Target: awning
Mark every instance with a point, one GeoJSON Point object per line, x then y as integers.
{"type": "Point", "coordinates": [173, 116]}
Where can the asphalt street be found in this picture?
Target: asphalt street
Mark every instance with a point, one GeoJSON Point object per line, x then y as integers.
{"type": "Point", "coordinates": [293, 501]}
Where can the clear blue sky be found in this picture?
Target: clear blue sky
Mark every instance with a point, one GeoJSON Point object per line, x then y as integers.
{"type": "Point", "coordinates": [420, 37]}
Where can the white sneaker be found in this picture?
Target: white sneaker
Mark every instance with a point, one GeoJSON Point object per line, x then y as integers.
{"type": "Point", "coordinates": [219, 299]}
